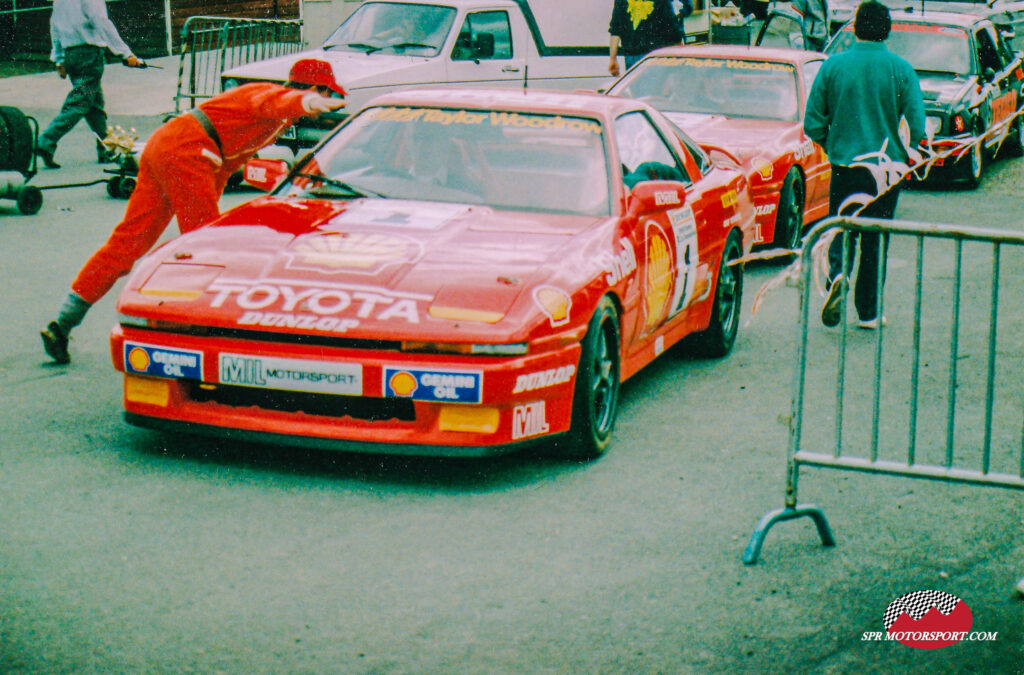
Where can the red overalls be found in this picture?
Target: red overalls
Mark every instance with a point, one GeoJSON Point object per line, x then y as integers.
{"type": "Point", "coordinates": [182, 173]}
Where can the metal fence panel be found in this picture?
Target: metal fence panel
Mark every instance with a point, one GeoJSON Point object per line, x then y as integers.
{"type": "Point", "coordinates": [213, 44]}
{"type": "Point", "coordinates": [931, 436]}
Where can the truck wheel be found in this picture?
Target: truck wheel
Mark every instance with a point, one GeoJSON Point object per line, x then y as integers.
{"type": "Point", "coordinates": [30, 200]}
{"type": "Point", "coordinates": [595, 398]}
{"type": "Point", "coordinates": [789, 218]}
{"type": "Point", "coordinates": [717, 340]}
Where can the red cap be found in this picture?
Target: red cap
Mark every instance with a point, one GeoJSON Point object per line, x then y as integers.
{"type": "Point", "coordinates": [316, 72]}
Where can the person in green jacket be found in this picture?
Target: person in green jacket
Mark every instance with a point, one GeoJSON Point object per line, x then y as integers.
{"type": "Point", "coordinates": [866, 109]}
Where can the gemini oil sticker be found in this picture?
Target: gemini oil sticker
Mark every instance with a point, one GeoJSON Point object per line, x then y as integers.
{"type": "Point", "coordinates": [430, 384]}
{"type": "Point", "coordinates": [144, 359]}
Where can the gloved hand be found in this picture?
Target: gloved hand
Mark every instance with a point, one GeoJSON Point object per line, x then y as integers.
{"type": "Point", "coordinates": [134, 62]}
{"type": "Point", "coordinates": [316, 104]}
{"type": "Point", "coordinates": [62, 71]}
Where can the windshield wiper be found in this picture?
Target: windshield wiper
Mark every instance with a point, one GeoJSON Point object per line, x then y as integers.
{"type": "Point", "coordinates": [362, 46]}
{"type": "Point", "coordinates": [341, 185]}
{"type": "Point", "coordinates": [410, 45]}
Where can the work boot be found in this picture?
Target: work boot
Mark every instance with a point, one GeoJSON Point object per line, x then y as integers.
{"type": "Point", "coordinates": [47, 158]}
{"type": "Point", "coordinates": [55, 342]}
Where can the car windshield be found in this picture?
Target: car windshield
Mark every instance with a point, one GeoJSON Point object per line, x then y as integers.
{"type": "Point", "coordinates": [394, 28]}
{"type": "Point", "coordinates": [928, 47]}
{"type": "Point", "coordinates": [503, 159]}
{"type": "Point", "coordinates": [730, 87]}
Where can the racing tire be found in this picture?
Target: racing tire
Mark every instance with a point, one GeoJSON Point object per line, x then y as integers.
{"type": "Point", "coordinates": [30, 200]}
{"type": "Point", "coordinates": [20, 141]}
{"type": "Point", "coordinates": [972, 166]}
{"type": "Point", "coordinates": [717, 340]}
{"type": "Point", "coordinates": [789, 217]}
{"type": "Point", "coordinates": [127, 187]}
{"type": "Point", "coordinates": [114, 187]}
{"type": "Point", "coordinates": [1013, 146]}
{"type": "Point", "coordinates": [595, 398]}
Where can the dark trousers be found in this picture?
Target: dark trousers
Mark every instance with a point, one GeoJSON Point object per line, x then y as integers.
{"type": "Point", "coordinates": [857, 180]}
{"type": "Point", "coordinates": [84, 65]}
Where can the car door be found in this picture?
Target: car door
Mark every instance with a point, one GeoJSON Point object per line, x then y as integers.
{"type": "Point", "coordinates": [484, 52]}
{"type": "Point", "coordinates": [668, 239]}
{"type": "Point", "coordinates": [998, 75]}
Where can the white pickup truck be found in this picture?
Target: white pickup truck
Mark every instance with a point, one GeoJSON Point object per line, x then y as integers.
{"type": "Point", "coordinates": [386, 45]}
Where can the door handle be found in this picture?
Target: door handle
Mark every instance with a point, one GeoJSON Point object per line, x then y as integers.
{"type": "Point", "coordinates": [510, 69]}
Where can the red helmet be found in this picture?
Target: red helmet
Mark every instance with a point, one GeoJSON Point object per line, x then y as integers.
{"type": "Point", "coordinates": [316, 72]}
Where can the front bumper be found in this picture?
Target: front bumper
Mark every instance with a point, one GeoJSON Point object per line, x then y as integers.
{"type": "Point", "coordinates": [219, 386]}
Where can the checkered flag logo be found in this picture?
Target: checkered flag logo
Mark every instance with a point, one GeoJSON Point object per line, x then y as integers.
{"type": "Point", "coordinates": [917, 604]}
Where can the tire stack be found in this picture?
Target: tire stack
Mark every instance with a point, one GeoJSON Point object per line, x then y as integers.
{"type": "Point", "coordinates": [17, 159]}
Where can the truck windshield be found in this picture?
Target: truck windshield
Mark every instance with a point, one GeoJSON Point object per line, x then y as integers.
{"type": "Point", "coordinates": [394, 28]}
{"type": "Point", "coordinates": [504, 159]}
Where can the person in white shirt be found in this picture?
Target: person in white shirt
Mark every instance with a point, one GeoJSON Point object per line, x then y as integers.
{"type": "Point", "coordinates": [81, 32]}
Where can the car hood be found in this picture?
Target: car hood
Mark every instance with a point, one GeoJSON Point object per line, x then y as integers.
{"type": "Point", "coordinates": [371, 268]}
{"type": "Point", "coordinates": [943, 90]}
{"type": "Point", "coordinates": [353, 70]}
{"type": "Point", "coordinates": [743, 137]}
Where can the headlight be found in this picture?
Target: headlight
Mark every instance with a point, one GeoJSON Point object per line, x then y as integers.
{"type": "Point", "coordinates": [932, 126]}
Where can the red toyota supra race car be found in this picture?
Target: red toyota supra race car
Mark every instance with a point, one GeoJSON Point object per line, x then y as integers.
{"type": "Point", "coordinates": [748, 102]}
{"type": "Point", "coordinates": [452, 272]}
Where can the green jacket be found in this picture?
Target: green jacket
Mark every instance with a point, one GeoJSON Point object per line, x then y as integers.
{"type": "Point", "coordinates": [857, 101]}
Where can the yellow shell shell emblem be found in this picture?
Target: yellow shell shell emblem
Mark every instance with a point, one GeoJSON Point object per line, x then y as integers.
{"type": "Point", "coordinates": [138, 359]}
{"type": "Point", "coordinates": [659, 277]}
{"type": "Point", "coordinates": [403, 383]}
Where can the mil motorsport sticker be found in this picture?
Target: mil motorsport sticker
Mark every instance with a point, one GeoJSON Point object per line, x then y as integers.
{"type": "Point", "coordinates": [144, 359]}
{"type": "Point", "coordinates": [529, 420]}
{"type": "Point", "coordinates": [928, 620]}
{"type": "Point", "coordinates": [435, 385]}
{"type": "Point", "coordinates": [268, 372]}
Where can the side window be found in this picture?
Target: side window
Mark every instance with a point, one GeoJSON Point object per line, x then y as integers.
{"type": "Point", "coordinates": [484, 36]}
{"type": "Point", "coordinates": [782, 31]}
{"type": "Point", "coordinates": [644, 153]}
{"type": "Point", "coordinates": [700, 158]}
{"type": "Point", "coordinates": [988, 57]}
{"type": "Point", "coordinates": [811, 69]}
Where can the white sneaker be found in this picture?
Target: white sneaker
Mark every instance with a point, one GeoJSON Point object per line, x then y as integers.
{"type": "Point", "coordinates": [871, 324]}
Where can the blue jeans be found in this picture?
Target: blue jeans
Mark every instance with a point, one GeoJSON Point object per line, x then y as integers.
{"type": "Point", "coordinates": [84, 65]}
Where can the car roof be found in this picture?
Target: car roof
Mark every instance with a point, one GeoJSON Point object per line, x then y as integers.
{"type": "Point", "coordinates": [781, 54]}
{"type": "Point", "coordinates": [450, 3]}
{"type": "Point", "coordinates": [581, 103]}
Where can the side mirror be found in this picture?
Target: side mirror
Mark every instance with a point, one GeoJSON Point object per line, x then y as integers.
{"type": "Point", "coordinates": [483, 47]}
{"type": "Point", "coordinates": [655, 195]}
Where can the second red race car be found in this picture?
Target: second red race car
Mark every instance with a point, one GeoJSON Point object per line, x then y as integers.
{"type": "Point", "coordinates": [748, 102]}
{"type": "Point", "coordinates": [451, 273]}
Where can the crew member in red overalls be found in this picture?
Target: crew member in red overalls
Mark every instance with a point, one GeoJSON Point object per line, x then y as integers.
{"type": "Point", "coordinates": [182, 172]}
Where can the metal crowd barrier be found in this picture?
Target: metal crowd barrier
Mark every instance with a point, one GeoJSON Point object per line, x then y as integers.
{"type": "Point", "coordinates": [930, 436]}
{"type": "Point", "coordinates": [212, 44]}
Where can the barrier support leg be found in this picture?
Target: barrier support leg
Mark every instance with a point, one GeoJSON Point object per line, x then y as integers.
{"type": "Point", "coordinates": [769, 519]}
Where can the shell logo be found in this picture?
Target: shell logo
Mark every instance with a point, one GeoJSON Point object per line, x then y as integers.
{"type": "Point", "coordinates": [359, 251]}
{"type": "Point", "coordinates": [555, 303]}
{"type": "Point", "coordinates": [138, 359]}
{"type": "Point", "coordinates": [659, 275]}
{"type": "Point", "coordinates": [403, 383]}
